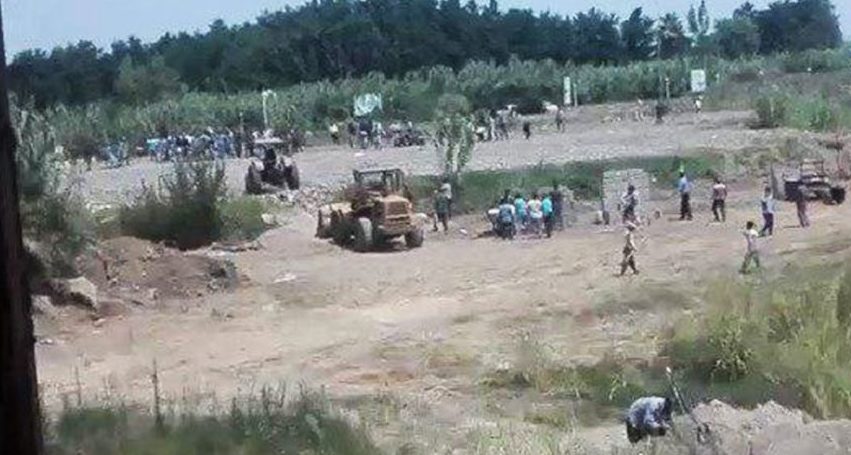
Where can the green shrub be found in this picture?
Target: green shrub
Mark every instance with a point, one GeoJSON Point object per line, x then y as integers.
{"type": "Point", "coordinates": [771, 111]}
{"type": "Point", "coordinates": [843, 300]}
{"type": "Point", "coordinates": [184, 212]}
{"type": "Point", "coordinates": [242, 218]}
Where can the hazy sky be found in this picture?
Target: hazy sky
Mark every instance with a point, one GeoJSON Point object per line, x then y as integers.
{"type": "Point", "coordinates": [47, 23]}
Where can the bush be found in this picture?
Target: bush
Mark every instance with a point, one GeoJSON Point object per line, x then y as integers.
{"type": "Point", "coordinates": [771, 111]}
{"type": "Point", "coordinates": [185, 212]}
{"type": "Point", "coordinates": [192, 209]}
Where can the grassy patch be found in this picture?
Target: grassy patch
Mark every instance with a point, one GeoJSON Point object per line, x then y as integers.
{"type": "Point", "coordinates": [479, 190]}
{"type": "Point", "coordinates": [262, 426]}
{"type": "Point", "coordinates": [787, 340]}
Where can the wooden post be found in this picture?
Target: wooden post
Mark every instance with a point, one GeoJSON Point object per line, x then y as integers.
{"type": "Point", "coordinates": [20, 425]}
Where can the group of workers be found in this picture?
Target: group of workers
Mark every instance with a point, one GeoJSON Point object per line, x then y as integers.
{"type": "Point", "coordinates": [767, 204]}
{"type": "Point", "coordinates": [539, 214]}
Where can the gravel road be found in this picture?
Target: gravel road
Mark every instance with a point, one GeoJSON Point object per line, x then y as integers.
{"type": "Point", "coordinates": [585, 139]}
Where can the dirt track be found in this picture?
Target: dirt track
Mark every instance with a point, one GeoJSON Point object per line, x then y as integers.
{"type": "Point", "coordinates": [587, 138]}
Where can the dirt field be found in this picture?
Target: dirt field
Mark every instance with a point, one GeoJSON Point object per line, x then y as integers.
{"type": "Point", "coordinates": [418, 329]}
{"type": "Point", "coordinates": [405, 338]}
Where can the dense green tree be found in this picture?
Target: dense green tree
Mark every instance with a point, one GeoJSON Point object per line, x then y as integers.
{"type": "Point", "coordinates": [146, 82]}
{"type": "Point", "coordinates": [637, 36]}
{"type": "Point", "coordinates": [671, 38]}
{"type": "Point", "coordinates": [331, 39]}
{"type": "Point", "coordinates": [737, 37]}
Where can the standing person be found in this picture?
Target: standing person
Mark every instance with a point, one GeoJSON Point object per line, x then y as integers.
{"type": "Point", "coordinates": [353, 133]}
{"type": "Point", "coordinates": [446, 188]}
{"type": "Point", "coordinates": [505, 220]}
{"type": "Point", "coordinates": [441, 211]}
{"type": "Point", "coordinates": [536, 214]}
{"type": "Point", "coordinates": [629, 250]}
{"type": "Point", "coordinates": [560, 120]}
{"type": "Point", "coordinates": [334, 132]}
{"type": "Point", "coordinates": [801, 206]}
{"type": "Point", "coordinates": [684, 188]}
{"type": "Point", "coordinates": [547, 211]}
{"type": "Point", "coordinates": [527, 129]}
{"type": "Point", "coordinates": [520, 213]}
{"type": "Point", "coordinates": [719, 198]}
{"type": "Point", "coordinates": [630, 203]}
{"type": "Point", "coordinates": [558, 206]}
{"type": "Point", "coordinates": [767, 204]}
{"type": "Point", "coordinates": [752, 253]}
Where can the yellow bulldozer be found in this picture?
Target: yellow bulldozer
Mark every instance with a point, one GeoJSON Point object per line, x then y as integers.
{"type": "Point", "coordinates": [374, 212]}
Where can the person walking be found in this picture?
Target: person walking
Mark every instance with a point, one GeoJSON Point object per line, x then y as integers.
{"type": "Point", "coordinates": [719, 198]}
{"type": "Point", "coordinates": [629, 200]}
{"type": "Point", "coordinates": [684, 188]}
{"type": "Point", "coordinates": [767, 204]}
{"type": "Point", "coordinates": [547, 211]}
{"type": "Point", "coordinates": [536, 214]}
{"type": "Point", "coordinates": [441, 211]}
{"type": "Point", "coordinates": [752, 253]}
{"type": "Point", "coordinates": [560, 120]}
{"type": "Point", "coordinates": [558, 206]}
{"type": "Point", "coordinates": [527, 129]}
{"type": "Point", "coordinates": [801, 208]}
{"type": "Point", "coordinates": [629, 250]}
{"type": "Point", "coordinates": [446, 188]}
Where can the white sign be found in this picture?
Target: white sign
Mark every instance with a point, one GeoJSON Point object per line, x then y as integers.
{"type": "Point", "coordinates": [568, 97]}
{"type": "Point", "coordinates": [367, 104]}
{"type": "Point", "coordinates": [698, 81]}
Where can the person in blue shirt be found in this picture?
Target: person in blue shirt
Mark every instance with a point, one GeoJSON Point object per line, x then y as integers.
{"type": "Point", "coordinates": [684, 188]}
{"type": "Point", "coordinates": [647, 417]}
{"type": "Point", "coordinates": [549, 216]}
{"type": "Point", "coordinates": [520, 213]}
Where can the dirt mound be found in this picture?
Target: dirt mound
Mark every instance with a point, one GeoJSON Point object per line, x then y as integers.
{"type": "Point", "coordinates": [140, 270]}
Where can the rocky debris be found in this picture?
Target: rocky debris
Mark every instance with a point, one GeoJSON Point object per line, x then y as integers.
{"type": "Point", "coordinates": [76, 291]}
{"type": "Point", "coordinates": [42, 305]}
{"type": "Point", "coordinates": [236, 247]}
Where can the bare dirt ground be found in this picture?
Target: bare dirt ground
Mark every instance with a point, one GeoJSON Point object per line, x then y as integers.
{"type": "Point", "coordinates": [588, 137]}
{"type": "Point", "coordinates": [405, 338]}
{"type": "Point", "coordinates": [417, 329]}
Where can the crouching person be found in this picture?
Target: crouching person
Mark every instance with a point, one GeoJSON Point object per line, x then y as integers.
{"type": "Point", "coordinates": [648, 417]}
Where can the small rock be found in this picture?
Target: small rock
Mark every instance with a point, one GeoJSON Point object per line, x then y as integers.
{"type": "Point", "coordinates": [46, 341]}
{"type": "Point", "coordinates": [77, 291]}
{"type": "Point", "coordinates": [289, 277]}
{"type": "Point", "coordinates": [269, 219]}
{"type": "Point", "coordinates": [153, 294]}
{"type": "Point", "coordinates": [99, 322]}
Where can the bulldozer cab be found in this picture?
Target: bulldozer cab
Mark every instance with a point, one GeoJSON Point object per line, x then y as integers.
{"type": "Point", "coordinates": [383, 181]}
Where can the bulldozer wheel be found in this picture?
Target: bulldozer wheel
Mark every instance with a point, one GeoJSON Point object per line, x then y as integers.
{"type": "Point", "coordinates": [253, 182]}
{"type": "Point", "coordinates": [293, 180]}
{"type": "Point", "coordinates": [363, 235]}
{"type": "Point", "coordinates": [338, 229]}
{"type": "Point", "coordinates": [414, 239]}
{"type": "Point", "coordinates": [322, 230]}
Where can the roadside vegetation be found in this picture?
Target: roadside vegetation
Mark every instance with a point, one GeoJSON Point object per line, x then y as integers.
{"type": "Point", "coordinates": [786, 339]}
{"type": "Point", "coordinates": [266, 424]}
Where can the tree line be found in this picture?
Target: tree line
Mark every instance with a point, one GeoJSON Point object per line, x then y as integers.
{"type": "Point", "coordinates": [333, 39]}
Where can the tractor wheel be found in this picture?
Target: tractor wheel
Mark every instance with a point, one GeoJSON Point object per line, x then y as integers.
{"type": "Point", "coordinates": [339, 230]}
{"type": "Point", "coordinates": [414, 239]}
{"type": "Point", "coordinates": [253, 182]}
{"type": "Point", "coordinates": [292, 177]}
{"type": "Point", "coordinates": [363, 235]}
{"type": "Point", "coordinates": [838, 195]}
{"type": "Point", "coordinates": [322, 230]}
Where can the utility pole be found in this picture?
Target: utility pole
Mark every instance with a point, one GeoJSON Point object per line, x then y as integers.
{"type": "Point", "coordinates": [20, 425]}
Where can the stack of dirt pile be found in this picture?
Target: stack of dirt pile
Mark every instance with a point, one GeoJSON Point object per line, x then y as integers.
{"type": "Point", "coordinates": [311, 198]}
{"type": "Point", "coordinates": [770, 429]}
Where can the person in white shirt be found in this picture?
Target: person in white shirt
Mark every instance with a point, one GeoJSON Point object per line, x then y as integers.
{"type": "Point", "coordinates": [536, 214]}
{"type": "Point", "coordinates": [719, 198]}
{"type": "Point", "coordinates": [752, 253]}
{"type": "Point", "coordinates": [768, 206]}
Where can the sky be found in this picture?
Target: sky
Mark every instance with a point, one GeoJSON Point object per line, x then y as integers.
{"type": "Point", "coordinates": [47, 23]}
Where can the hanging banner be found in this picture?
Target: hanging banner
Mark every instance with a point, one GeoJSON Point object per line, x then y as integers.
{"type": "Point", "coordinates": [367, 104]}
{"type": "Point", "coordinates": [568, 92]}
{"type": "Point", "coordinates": [698, 81]}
